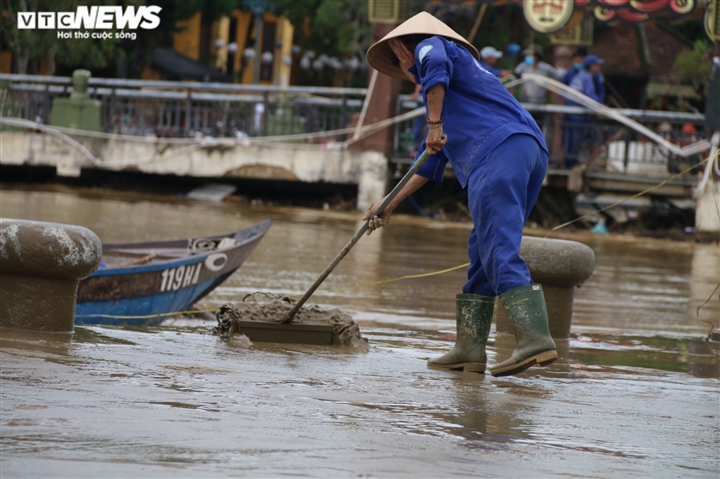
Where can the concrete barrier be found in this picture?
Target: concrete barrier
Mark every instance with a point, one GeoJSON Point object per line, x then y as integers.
{"type": "Point", "coordinates": [213, 158]}
{"type": "Point", "coordinates": [560, 266]}
{"type": "Point", "coordinates": [41, 265]}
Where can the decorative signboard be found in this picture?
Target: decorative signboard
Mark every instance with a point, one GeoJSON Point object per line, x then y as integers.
{"type": "Point", "coordinates": [581, 34]}
{"type": "Point", "coordinates": [547, 16]}
{"type": "Point", "coordinates": [640, 10]}
{"type": "Point", "coordinates": [712, 20]}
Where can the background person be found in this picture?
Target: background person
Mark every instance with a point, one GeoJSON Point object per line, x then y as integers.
{"type": "Point", "coordinates": [578, 63]}
{"type": "Point", "coordinates": [531, 92]}
{"type": "Point", "coordinates": [580, 129]}
{"type": "Point", "coordinates": [489, 58]}
{"type": "Point", "coordinates": [499, 156]}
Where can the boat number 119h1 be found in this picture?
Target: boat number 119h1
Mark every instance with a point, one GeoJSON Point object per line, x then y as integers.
{"type": "Point", "coordinates": [188, 275]}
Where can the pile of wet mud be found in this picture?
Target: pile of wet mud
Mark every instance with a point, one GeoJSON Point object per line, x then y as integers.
{"type": "Point", "coordinates": [345, 331]}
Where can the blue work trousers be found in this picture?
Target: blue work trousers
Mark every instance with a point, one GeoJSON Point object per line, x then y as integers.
{"type": "Point", "coordinates": [502, 190]}
{"type": "Point", "coordinates": [579, 130]}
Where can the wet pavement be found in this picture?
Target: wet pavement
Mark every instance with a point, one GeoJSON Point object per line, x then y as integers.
{"type": "Point", "coordinates": [634, 393]}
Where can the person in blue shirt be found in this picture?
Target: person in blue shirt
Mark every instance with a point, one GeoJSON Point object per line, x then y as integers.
{"type": "Point", "coordinates": [500, 158]}
{"type": "Point", "coordinates": [578, 65]}
{"type": "Point", "coordinates": [578, 60]}
{"type": "Point", "coordinates": [489, 57]}
{"type": "Point", "coordinates": [580, 129]}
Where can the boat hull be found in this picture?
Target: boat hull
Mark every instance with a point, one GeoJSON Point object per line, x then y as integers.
{"type": "Point", "coordinates": [146, 294]}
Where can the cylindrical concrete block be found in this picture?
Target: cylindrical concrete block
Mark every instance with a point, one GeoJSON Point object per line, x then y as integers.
{"type": "Point", "coordinates": [80, 81]}
{"type": "Point", "coordinates": [560, 266]}
{"type": "Point", "coordinates": [41, 265]}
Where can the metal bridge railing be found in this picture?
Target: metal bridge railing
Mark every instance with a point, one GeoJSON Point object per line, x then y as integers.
{"type": "Point", "coordinates": [187, 109]}
{"type": "Point", "coordinates": [599, 144]}
{"type": "Point", "coordinates": [184, 109]}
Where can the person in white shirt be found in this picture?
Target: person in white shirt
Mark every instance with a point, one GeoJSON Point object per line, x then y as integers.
{"type": "Point", "coordinates": [531, 92]}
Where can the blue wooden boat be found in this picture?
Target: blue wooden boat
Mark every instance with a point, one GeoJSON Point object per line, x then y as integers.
{"type": "Point", "coordinates": [141, 283]}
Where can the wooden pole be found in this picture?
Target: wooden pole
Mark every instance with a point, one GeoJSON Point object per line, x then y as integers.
{"type": "Point", "coordinates": [477, 23]}
{"type": "Point", "coordinates": [370, 90]}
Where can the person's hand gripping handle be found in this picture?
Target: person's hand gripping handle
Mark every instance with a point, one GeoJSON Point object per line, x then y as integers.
{"type": "Point", "coordinates": [378, 215]}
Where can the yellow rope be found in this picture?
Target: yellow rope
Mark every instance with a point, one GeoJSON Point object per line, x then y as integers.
{"type": "Point", "coordinates": [697, 312]}
{"type": "Point", "coordinates": [410, 276]}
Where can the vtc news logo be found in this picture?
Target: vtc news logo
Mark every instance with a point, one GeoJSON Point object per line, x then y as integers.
{"type": "Point", "coordinates": [93, 18]}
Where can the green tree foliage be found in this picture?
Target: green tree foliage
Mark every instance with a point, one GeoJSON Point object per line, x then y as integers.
{"type": "Point", "coordinates": [695, 66]}
{"type": "Point", "coordinates": [37, 45]}
{"type": "Point", "coordinates": [139, 52]}
{"type": "Point", "coordinates": [334, 27]}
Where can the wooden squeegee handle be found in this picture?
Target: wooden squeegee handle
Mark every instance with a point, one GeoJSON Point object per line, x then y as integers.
{"type": "Point", "coordinates": [416, 166]}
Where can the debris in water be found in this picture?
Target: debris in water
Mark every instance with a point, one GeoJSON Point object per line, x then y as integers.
{"type": "Point", "coordinates": [212, 192]}
{"type": "Point", "coordinates": [240, 341]}
{"type": "Point", "coordinates": [263, 322]}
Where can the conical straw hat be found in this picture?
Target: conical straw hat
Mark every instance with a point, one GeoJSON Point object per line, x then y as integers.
{"type": "Point", "coordinates": [381, 57]}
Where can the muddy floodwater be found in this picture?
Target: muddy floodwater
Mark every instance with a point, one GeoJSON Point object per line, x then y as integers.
{"type": "Point", "coordinates": [635, 392]}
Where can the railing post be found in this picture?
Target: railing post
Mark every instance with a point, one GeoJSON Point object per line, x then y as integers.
{"type": "Point", "coordinates": [343, 115]}
{"type": "Point", "coordinates": [113, 98]}
{"type": "Point", "coordinates": [627, 138]}
{"type": "Point", "coordinates": [176, 125]}
{"type": "Point", "coordinates": [547, 124]}
{"type": "Point", "coordinates": [28, 113]}
{"type": "Point", "coordinates": [266, 113]}
{"type": "Point", "coordinates": [188, 112]}
{"type": "Point", "coordinates": [46, 105]}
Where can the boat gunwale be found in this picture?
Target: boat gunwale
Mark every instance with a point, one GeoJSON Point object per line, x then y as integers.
{"type": "Point", "coordinates": [244, 237]}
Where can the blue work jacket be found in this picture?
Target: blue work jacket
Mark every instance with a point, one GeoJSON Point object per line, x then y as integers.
{"type": "Point", "coordinates": [597, 78]}
{"type": "Point", "coordinates": [599, 82]}
{"type": "Point", "coordinates": [478, 112]}
{"type": "Point", "coordinates": [585, 83]}
{"type": "Point", "coordinates": [570, 74]}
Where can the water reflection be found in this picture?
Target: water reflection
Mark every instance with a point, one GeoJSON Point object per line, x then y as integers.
{"type": "Point", "coordinates": [39, 342]}
{"type": "Point", "coordinates": [695, 356]}
{"type": "Point", "coordinates": [486, 417]}
{"type": "Point", "coordinates": [649, 286]}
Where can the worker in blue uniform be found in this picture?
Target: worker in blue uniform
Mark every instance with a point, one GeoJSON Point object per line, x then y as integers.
{"type": "Point", "coordinates": [578, 59]}
{"type": "Point", "coordinates": [580, 129]}
{"type": "Point", "coordinates": [500, 157]}
{"type": "Point", "coordinates": [488, 60]}
{"type": "Point", "coordinates": [578, 66]}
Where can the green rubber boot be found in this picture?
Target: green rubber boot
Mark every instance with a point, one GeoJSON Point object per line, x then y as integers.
{"type": "Point", "coordinates": [474, 317]}
{"type": "Point", "coordinates": [528, 316]}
